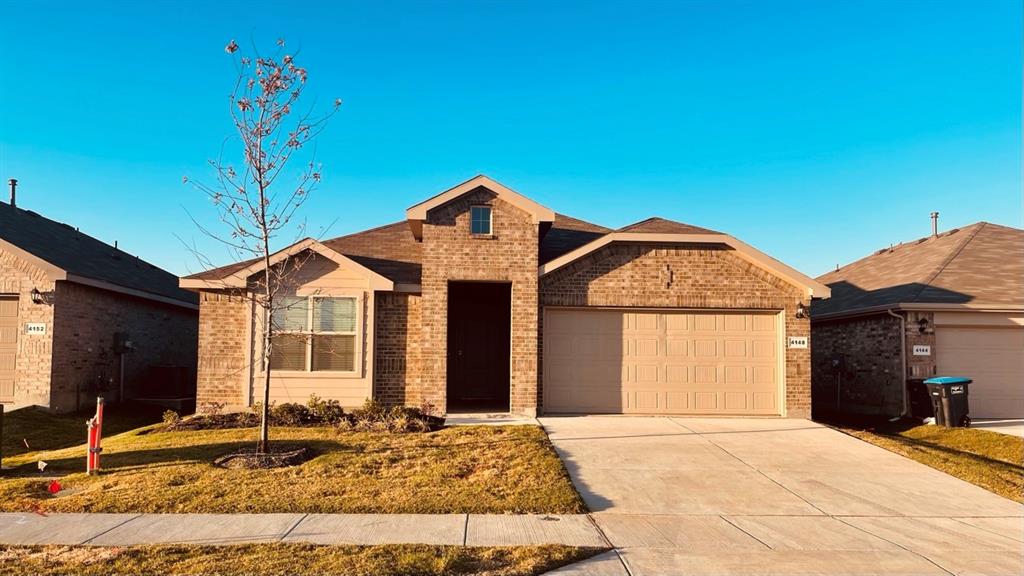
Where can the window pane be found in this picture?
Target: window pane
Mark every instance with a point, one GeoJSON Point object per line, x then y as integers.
{"type": "Point", "coordinates": [334, 353]}
{"type": "Point", "coordinates": [291, 313]}
{"type": "Point", "coordinates": [334, 315]}
{"type": "Point", "coordinates": [288, 352]}
{"type": "Point", "coordinates": [480, 219]}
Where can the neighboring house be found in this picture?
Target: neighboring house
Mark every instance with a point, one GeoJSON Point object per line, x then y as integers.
{"type": "Point", "coordinates": [959, 297]}
{"type": "Point", "coordinates": [483, 300]}
{"type": "Point", "coordinates": [79, 317]}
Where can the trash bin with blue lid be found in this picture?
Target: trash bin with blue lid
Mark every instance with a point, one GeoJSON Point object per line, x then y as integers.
{"type": "Point", "coordinates": [949, 399]}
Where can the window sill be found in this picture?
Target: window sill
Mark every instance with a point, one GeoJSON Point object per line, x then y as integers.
{"type": "Point", "coordinates": [483, 236]}
{"type": "Point", "coordinates": [318, 375]}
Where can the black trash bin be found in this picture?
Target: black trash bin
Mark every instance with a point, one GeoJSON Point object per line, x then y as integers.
{"type": "Point", "coordinates": [949, 400]}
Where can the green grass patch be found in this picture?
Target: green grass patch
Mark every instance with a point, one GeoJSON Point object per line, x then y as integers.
{"type": "Point", "coordinates": [287, 559]}
{"type": "Point", "coordinates": [464, 469]}
{"type": "Point", "coordinates": [988, 459]}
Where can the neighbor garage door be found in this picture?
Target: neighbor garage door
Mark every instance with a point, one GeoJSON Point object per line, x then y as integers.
{"type": "Point", "coordinates": [993, 358]}
{"type": "Point", "coordinates": [643, 362]}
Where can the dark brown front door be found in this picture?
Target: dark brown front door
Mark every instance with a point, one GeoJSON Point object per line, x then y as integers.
{"type": "Point", "coordinates": [479, 332]}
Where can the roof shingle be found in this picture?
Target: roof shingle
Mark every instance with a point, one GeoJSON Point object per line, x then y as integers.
{"type": "Point", "coordinates": [980, 264]}
{"type": "Point", "coordinates": [657, 225]}
{"type": "Point", "coordinates": [82, 255]}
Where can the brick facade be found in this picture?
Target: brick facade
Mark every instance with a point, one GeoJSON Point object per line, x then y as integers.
{"type": "Point", "coordinates": [61, 368]}
{"type": "Point", "coordinates": [691, 276]}
{"type": "Point", "coordinates": [510, 254]}
{"type": "Point", "coordinates": [85, 321]}
{"type": "Point", "coordinates": [225, 324]}
{"type": "Point", "coordinates": [397, 361]}
{"type": "Point", "coordinates": [33, 363]}
{"type": "Point", "coordinates": [409, 344]}
{"type": "Point", "coordinates": [870, 377]}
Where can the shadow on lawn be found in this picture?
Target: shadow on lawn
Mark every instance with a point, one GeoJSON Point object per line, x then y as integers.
{"type": "Point", "coordinates": [44, 431]}
{"type": "Point", "coordinates": [113, 461]}
{"type": "Point", "coordinates": [893, 430]}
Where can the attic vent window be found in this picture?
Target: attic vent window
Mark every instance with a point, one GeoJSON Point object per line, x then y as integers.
{"type": "Point", "coordinates": [480, 220]}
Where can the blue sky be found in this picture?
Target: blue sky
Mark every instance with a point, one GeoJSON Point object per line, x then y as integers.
{"type": "Point", "coordinates": [815, 131]}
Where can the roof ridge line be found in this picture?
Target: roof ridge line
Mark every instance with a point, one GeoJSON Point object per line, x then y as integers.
{"type": "Point", "coordinates": [948, 260]}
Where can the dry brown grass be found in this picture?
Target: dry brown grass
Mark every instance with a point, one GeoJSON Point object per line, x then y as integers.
{"type": "Point", "coordinates": [988, 459]}
{"type": "Point", "coordinates": [290, 559]}
{"type": "Point", "coordinates": [472, 469]}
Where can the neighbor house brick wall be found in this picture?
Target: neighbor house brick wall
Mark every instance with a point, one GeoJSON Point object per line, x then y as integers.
{"type": "Point", "coordinates": [397, 362]}
{"type": "Point", "coordinates": [85, 321]}
{"type": "Point", "coordinates": [920, 327]}
{"type": "Point", "coordinates": [689, 276]}
{"type": "Point", "coordinates": [33, 364]}
{"type": "Point", "coordinates": [225, 324]}
{"type": "Point", "coordinates": [869, 379]}
{"type": "Point", "coordinates": [451, 253]}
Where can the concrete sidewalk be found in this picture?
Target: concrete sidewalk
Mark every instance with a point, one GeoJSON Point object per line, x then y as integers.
{"type": "Point", "coordinates": [362, 529]}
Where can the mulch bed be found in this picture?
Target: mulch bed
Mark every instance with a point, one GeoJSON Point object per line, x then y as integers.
{"type": "Point", "coordinates": [278, 457]}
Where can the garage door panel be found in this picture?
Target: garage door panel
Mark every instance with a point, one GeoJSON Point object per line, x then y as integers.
{"type": "Point", "coordinates": [677, 374]}
{"type": "Point", "coordinates": [705, 322]}
{"type": "Point", "coordinates": [993, 358]}
{"type": "Point", "coordinates": [662, 362]}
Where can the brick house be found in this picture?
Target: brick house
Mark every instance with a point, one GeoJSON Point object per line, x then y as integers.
{"type": "Point", "coordinates": [483, 300]}
{"type": "Point", "coordinates": [948, 304]}
{"type": "Point", "coordinates": [70, 303]}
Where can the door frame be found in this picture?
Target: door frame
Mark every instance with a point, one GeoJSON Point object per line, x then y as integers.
{"type": "Point", "coordinates": [511, 329]}
{"type": "Point", "coordinates": [780, 337]}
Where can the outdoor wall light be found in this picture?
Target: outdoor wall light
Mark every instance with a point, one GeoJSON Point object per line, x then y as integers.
{"type": "Point", "coordinates": [40, 297]}
{"type": "Point", "coordinates": [922, 325]}
{"type": "Point", "coordinates": [801, 310]}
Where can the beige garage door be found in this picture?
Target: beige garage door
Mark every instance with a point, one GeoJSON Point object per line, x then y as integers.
{"type": "Point", "coordinates": [8, 345]}
{"type": "Point", "coordinates": [994, 359]}
{"type": "Point", "coordinates": [644, 362]}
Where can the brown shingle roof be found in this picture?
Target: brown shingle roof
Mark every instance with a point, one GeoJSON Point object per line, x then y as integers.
{"type": "Point", "coordinates": [981, 264]}
{"type": "Point", "coordinates": [82, 255]}
{"type": "Point", "coordinates": [389, 250]}
{"type": "Point", "coordinates": [567, 234]}
{"type": "Point", "coordinates": [662, 226]}
{"type": "Point", "coordinates": [393, 252]}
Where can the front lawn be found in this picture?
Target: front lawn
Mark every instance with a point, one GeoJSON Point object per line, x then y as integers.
{"type": "Point", "coordinates": [465, 469]}
{"type": "Point", "coordinates": [287, 559]}
{"type": "Point", "coordinates": [988, 459]}
{"type": "Point", "coordinates": [33, 429]}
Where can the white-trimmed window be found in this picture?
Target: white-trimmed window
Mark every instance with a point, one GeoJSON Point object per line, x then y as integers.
{"type": "Point", "coordinates": [315, 334]}
{"type": "Point", "coordinates": [480, 220]}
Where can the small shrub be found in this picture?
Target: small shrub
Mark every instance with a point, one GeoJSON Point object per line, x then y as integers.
{"type": "Point", "coordinates": [171, 417]}
{"type": "Point", "coordinates": [290, 414]}
{"type": "Point", "coordinates": [374, 417]}
{"type": "Point", "coordinates": [325, 411]}
{"type": "Point", "coordinates": [211, 408]}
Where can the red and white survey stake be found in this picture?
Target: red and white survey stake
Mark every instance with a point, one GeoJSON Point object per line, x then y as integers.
{"type": "Point", "coordinates": [95, 428]}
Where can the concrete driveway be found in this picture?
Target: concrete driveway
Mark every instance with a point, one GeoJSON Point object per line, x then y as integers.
{"type": "Point", "coordinates": [774, 496]}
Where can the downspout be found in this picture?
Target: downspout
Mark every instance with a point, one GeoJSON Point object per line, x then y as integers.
{"type": "Point", "coordinates": [903, 361]}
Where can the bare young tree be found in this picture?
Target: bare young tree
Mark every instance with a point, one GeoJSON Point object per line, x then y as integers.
{"type": "Point", "coordinates": [260, 198]}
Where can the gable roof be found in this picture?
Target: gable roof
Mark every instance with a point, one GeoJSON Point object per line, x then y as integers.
{"type": "Point", "coordinates": [566, 234]}
{"type": "Point", "coordinates": [655, 225]}
{"type": "Point", "coordinates": [977, 266]}
{"type": "Point", "coordinates": [417, 213]}
{"type": "Point", "coordinates": [64, 253]}
{"type": "Point", "coordinates": [392, 251]}
{"type": "Point", "coordinates": [237, 275]}
{"type": "Point", "coordinates": [662, 231]}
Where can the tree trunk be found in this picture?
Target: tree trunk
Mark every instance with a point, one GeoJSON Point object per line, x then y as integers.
{"type": "Point", "coordinates": [263, 446]}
